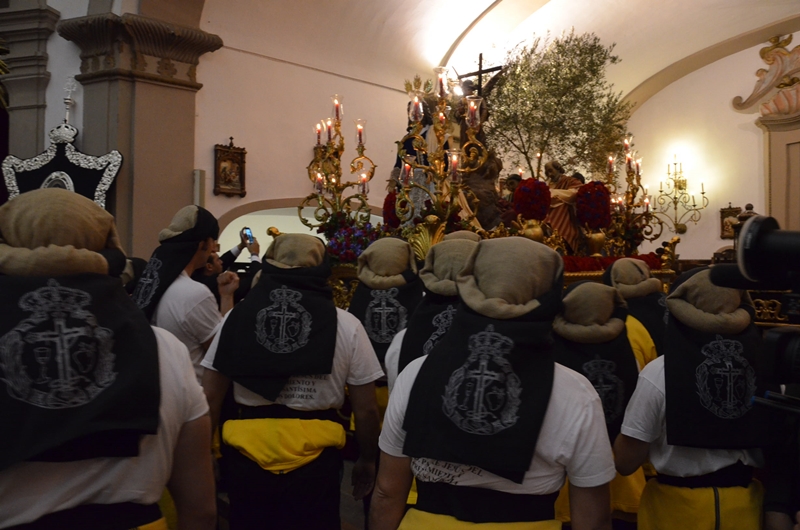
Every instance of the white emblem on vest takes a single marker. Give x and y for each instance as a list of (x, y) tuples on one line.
[(148, 283), (482, 396), (610, 388), (289, 323), (442, 322), (58, 357), (725, 381), (662, 301), (385, 316)]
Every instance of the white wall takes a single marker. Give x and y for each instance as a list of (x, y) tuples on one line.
[(64, 61), (270, 107), (694, 119)]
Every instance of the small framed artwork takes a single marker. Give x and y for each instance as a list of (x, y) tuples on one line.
[(727, 218), (229, 170)]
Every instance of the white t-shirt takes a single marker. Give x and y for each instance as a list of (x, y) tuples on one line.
[(392, 359), (29, 490), (646, 420), (189, 311), (354, 363), (573, 440)]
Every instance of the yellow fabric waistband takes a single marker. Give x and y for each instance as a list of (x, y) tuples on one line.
[(282, 445), (415, 519), (161, 524)]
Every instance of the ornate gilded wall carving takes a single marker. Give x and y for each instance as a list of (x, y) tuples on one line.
[(783, 76)]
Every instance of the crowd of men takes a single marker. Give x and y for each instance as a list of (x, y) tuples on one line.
[(483, 393)]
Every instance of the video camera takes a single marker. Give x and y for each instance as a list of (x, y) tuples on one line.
[(769, 259)]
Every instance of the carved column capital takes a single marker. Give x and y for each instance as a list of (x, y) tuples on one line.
[(138, 47)]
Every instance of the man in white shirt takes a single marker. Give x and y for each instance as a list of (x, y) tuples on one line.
[(290, 353), (94, 367), (494, 440), (704, 458), (168, 295)]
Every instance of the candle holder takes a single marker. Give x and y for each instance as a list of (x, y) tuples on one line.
[(325, 173), (633, 218), (676, 204), (443, 170)]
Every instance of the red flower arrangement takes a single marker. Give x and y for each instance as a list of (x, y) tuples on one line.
[(532, 199), (390, 218), (593, 205)]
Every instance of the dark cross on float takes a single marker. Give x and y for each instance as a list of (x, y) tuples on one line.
[(730, 374), (483, 378), (479, 72), (284, 316)]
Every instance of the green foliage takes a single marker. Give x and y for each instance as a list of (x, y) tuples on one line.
[(553, 98)]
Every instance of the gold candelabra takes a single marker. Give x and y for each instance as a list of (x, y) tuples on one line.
[(443, 169), (325, 173), (676, 203), (632, 219)]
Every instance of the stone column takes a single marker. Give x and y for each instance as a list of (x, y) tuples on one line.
[(139, 78), (26, 26)]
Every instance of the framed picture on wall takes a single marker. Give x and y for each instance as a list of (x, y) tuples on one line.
[(229, 170), (727, 218)]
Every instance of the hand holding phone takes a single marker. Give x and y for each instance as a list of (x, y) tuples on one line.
[(248, 234)]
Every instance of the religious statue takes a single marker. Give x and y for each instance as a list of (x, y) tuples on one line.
[(561, 216)]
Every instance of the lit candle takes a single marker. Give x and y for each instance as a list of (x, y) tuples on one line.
[(538, 155), (337, 109), (329, 125), (319, 183), (647, 204), (360, 134), (473, 114), (638, 166), (454, 175), (610, 164), (416, 110), (628, 161), (442, 118), (521, 172), (364, 183), (319, 134), (406, 174), (627, 145)]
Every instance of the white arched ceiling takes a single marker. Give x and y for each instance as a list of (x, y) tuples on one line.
[(658, 42), (385, 43)]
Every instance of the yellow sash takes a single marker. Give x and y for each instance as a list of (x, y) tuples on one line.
[(282, 445), (666, 507), (161, 524), (625, 495), (417, 519)]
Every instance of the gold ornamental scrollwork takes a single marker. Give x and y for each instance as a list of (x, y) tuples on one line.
[(769, 310)]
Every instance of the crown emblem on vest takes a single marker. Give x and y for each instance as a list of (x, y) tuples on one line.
[(285, 325), (442, 321), (611, 389), (726, 383), (58, 357), (385, 315), (482, 396)]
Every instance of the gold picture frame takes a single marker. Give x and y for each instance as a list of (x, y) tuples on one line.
[(229, 170), (727, 218)]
